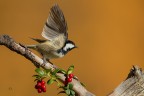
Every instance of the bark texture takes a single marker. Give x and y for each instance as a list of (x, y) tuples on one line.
[(133, 85)]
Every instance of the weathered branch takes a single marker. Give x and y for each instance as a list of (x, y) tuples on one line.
[(133, 85), (12, 45)]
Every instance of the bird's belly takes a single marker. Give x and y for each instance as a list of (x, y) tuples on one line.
[(49, 50), (53, 55)]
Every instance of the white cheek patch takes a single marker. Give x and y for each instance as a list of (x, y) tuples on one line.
[(68, 46)]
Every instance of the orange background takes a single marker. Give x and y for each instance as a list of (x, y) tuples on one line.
[(109, 34)]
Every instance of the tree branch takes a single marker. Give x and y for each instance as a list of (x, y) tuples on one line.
[(20, 49), (133, 85)]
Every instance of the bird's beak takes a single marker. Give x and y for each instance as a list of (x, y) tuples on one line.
[(76, 47)]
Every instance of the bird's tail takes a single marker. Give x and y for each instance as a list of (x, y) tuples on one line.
[(31, 46)]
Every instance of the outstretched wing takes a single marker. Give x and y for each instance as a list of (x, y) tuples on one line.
[(56, 25)]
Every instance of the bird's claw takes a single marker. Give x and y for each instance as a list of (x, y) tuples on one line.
[(44, 63), (23, 46), (54, 66)]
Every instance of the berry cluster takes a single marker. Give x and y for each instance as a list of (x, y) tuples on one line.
[(40, 86), (68, 79)]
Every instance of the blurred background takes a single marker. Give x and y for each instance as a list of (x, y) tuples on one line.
[(109, 34)]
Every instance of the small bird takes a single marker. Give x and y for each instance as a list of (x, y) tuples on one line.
[(55, 32)]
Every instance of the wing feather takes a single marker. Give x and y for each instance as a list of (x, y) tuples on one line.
[(56, 24)]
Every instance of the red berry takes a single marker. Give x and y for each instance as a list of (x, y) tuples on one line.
[(71, 75), (43, 82), (43, 87), (44, 90), (39, 90), (38, 81), (69, 79), (36, 86), (39, 84)]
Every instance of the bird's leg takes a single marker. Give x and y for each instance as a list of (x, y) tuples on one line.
[(23, 46), (44, 60), (52, 64)]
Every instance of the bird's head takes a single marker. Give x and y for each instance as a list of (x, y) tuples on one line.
[(69, 45)]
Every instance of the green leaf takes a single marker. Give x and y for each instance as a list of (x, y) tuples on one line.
[(62, 71), (70, 86), (35, 75), (36, 79), (53, 77), (72, 92), (43, 78), (70, 69), (57, 77), (61, 92), (58, 82), (55, 71), (67, 86), (50, 81), (67, 92), (39, 71), (48, 70)]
